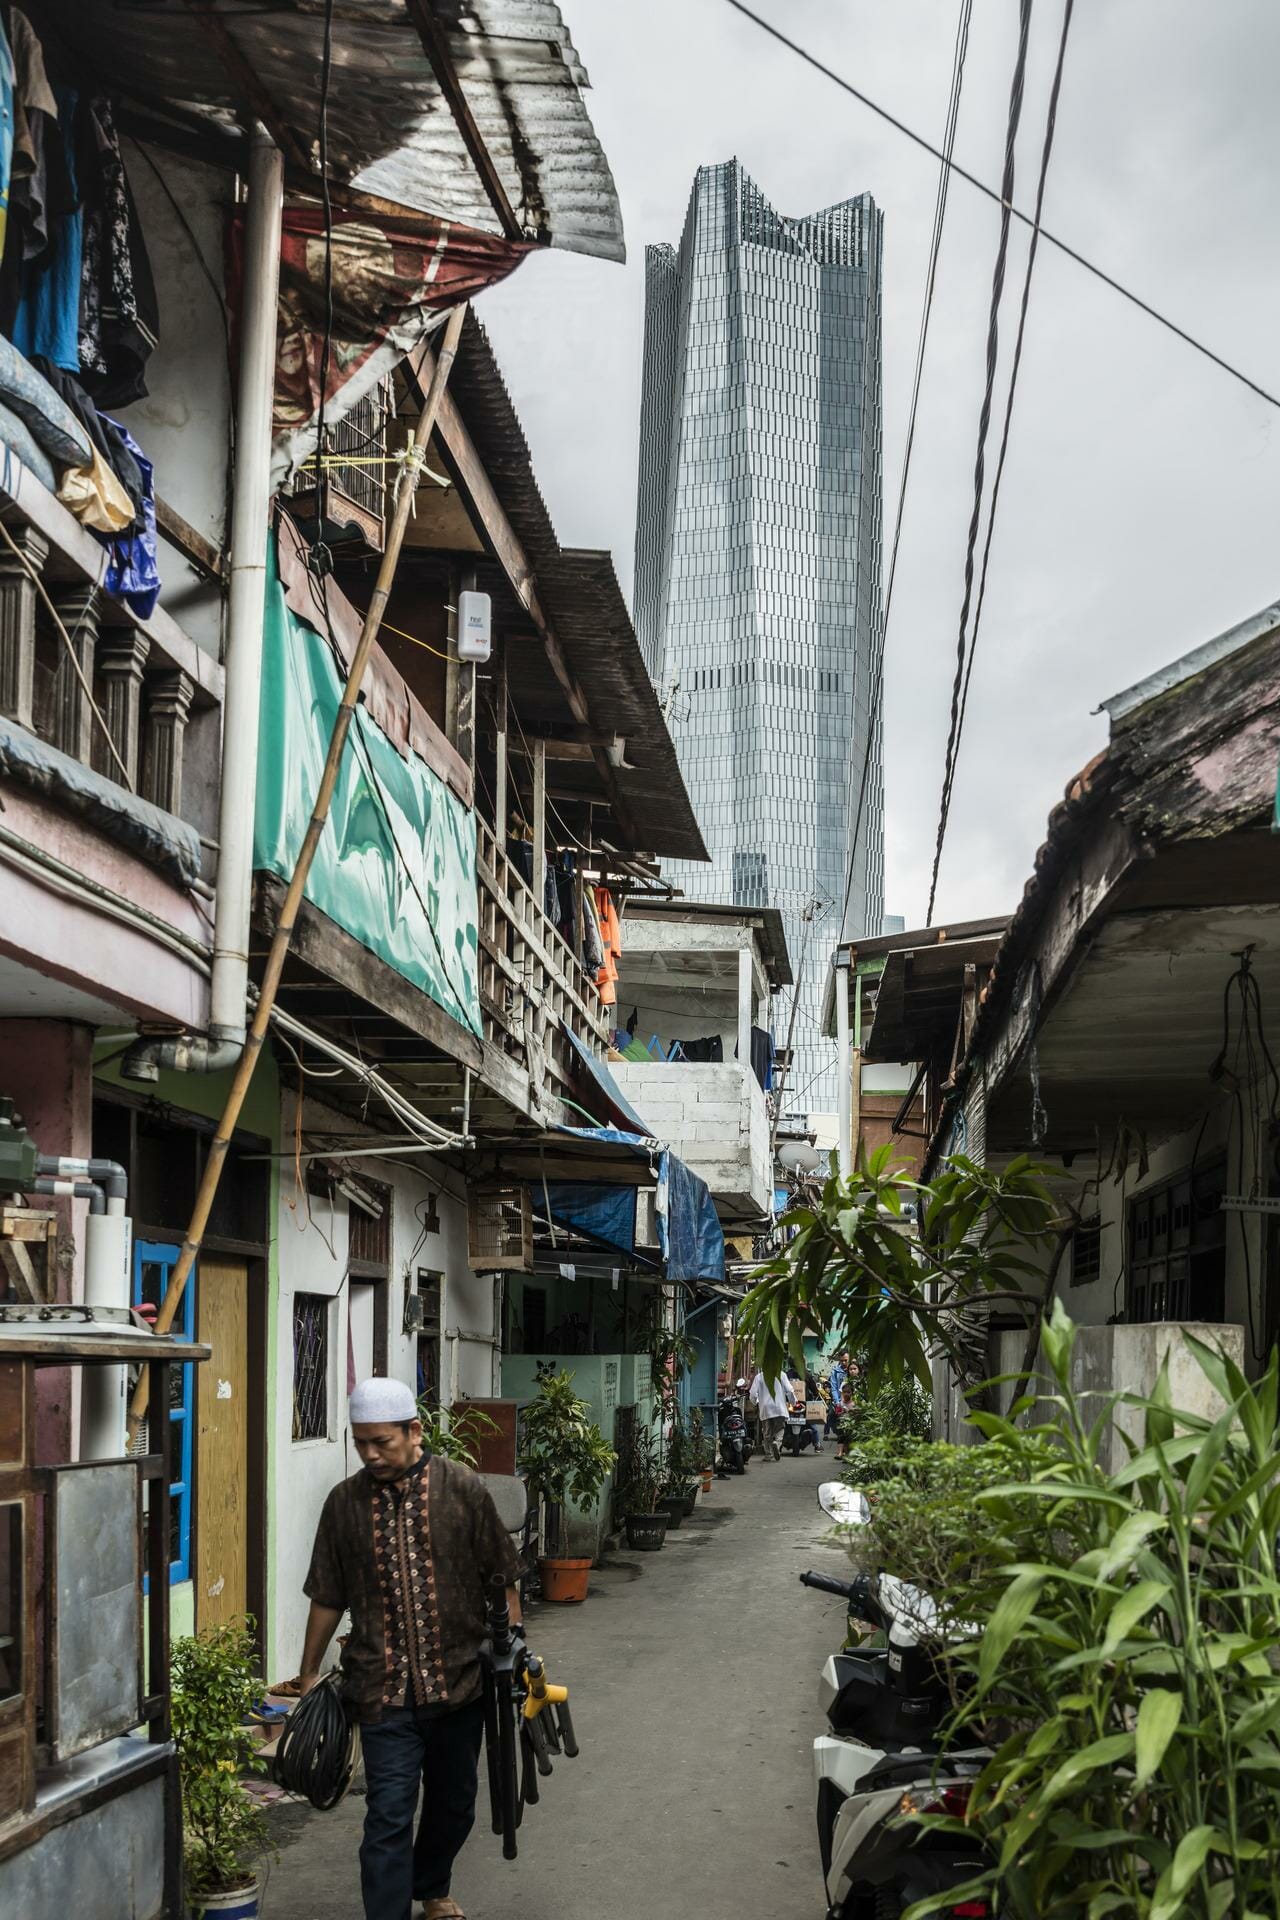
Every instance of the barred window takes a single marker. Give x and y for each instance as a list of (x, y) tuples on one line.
[(1086, 1252), (310, 1366)]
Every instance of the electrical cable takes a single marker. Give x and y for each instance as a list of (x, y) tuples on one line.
[(1016, 91), (318, 1747), (433, 1137), (954, 744), (931, 275), (972, 180)]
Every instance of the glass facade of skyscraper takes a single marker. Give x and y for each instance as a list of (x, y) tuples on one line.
[(758, 558)]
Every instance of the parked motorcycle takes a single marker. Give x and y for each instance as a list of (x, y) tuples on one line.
[(798, 1435), (735, 1442), (886, 1701)]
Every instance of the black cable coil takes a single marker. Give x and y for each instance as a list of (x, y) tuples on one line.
[(317, 1751)]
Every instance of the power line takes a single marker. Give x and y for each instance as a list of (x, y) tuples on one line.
[(972, 180), (1016, 91), (931, 275), (954, 746)]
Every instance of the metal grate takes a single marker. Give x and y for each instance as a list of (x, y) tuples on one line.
[(355, 470), (369, 1231), (1086, 1252), (310, 1366)]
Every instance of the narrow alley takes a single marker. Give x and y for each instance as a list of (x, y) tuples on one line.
[(694, 1681)]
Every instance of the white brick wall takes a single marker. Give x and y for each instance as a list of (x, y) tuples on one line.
[(713, 1115)]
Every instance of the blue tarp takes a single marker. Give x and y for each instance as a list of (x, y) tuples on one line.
[(688, 1225), (602, 1083), (607, 1214)]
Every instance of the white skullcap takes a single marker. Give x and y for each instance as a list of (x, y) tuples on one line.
[(378, 1400)]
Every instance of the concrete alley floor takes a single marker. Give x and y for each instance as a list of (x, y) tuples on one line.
[(694, 1677)]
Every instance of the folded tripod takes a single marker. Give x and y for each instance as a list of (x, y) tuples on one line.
[(526, 1720)]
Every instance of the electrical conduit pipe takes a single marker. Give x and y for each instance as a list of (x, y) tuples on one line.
[(247, 570)]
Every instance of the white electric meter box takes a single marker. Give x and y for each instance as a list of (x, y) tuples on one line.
[(473, 626)]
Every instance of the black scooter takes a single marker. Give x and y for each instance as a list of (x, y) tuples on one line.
[(735, 1443)]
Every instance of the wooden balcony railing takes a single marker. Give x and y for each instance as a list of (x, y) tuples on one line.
[(530, 980), (146, 675)]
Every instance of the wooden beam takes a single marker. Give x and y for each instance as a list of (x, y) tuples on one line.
[(436, 47), (504, 544), (203, 555), (499, 695), (539, 819)]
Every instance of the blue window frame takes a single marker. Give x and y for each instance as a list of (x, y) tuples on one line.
[(153, 1262)]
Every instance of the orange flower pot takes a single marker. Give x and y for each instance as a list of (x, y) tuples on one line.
[(706, 1479), (564, 1581)]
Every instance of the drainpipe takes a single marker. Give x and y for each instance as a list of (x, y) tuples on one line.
[(844, 1064), (247, 570)]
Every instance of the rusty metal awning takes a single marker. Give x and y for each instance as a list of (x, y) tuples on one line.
[(467, 110)]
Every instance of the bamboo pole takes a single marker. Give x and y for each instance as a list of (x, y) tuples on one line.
[(293, 897)]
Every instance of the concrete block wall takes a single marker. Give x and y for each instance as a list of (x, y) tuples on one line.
[(713, 1115)]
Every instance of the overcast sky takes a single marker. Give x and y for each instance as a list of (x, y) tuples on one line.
[(1141, 506)]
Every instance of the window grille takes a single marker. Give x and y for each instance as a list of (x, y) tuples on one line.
[(369, 1233), (1086, 1252), (359, 485), (310, 1366), (1176, 1261)]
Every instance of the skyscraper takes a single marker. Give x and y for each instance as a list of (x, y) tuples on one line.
[(757, 591)]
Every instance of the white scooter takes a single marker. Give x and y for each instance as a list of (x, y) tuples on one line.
[(885, 1704)]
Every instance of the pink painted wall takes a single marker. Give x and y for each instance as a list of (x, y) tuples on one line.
[(46, 1067)]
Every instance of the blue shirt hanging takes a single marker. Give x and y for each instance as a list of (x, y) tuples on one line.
[(133, 571)]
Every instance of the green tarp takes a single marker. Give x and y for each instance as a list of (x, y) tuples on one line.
[(396, 864)]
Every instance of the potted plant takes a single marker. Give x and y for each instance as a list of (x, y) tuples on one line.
[(224, 1832), (683, 1469), (454, 1435), (638, 1495), (702, 1455), (564, 1457)]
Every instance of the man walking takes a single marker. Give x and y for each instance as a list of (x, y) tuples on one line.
[(409, 1546), (772, 1402)]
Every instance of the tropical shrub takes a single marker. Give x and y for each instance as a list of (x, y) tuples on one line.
[(885, 1409), (895, 1267), (563, 1454), (456, 1434), (1128, 1671), (213, 1687)]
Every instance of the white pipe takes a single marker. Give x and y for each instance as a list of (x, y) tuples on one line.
[(844, 1071), (104, 1400), (247, 575)]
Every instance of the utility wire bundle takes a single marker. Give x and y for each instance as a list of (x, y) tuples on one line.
[(526, 1720), (317, 1751)]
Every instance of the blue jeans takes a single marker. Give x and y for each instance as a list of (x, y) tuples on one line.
[(404, 1750)]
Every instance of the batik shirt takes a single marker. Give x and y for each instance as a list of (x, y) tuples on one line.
[(413, 1561)]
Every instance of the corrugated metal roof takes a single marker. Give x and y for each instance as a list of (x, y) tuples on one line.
[(391, 130)]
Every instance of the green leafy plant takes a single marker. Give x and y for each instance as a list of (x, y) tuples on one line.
[(454, 1434), (895, 1266), (213, 1688), (640, 1476), (1127, 1672), (563, 1454), (699, 1445), (682, 1459), (887, 1409)]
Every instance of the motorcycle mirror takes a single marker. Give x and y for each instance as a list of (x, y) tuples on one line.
[(845, 1505), (742, 1386)]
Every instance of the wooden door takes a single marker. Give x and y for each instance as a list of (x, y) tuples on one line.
[(222, 1443)]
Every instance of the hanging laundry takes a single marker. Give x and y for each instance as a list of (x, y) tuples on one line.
[(592, 944), (712, 1048), (35, 148), (119, 319), (133, 570), (7, 105), (611, 941), (107, 438), (47, 317)]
